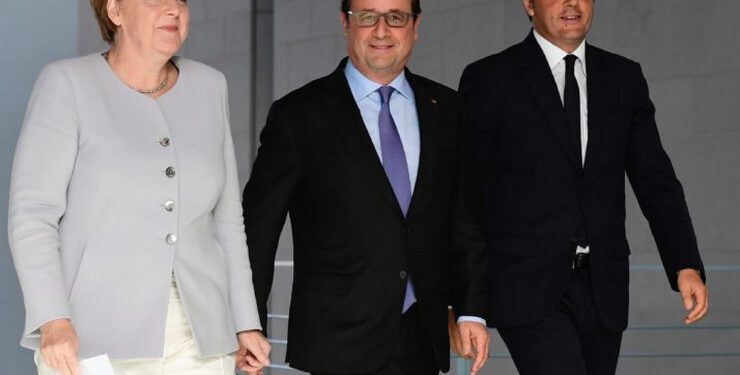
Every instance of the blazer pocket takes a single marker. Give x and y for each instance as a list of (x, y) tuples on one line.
[(513, 255)]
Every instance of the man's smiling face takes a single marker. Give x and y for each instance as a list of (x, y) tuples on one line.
[(380, 52), (564, 23)]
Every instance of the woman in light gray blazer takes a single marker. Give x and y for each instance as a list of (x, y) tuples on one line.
[(125, 219)]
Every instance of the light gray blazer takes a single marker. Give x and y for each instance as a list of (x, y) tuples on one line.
[(91, 231)]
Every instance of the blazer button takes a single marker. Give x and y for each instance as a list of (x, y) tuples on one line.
[(164, 142), (170, 172), (171, 239), (402, 274), (169, 206)]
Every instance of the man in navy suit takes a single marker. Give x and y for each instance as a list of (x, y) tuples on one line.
[(367, 163), (555, 125)]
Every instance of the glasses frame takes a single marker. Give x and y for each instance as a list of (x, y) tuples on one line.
[(384, 16)]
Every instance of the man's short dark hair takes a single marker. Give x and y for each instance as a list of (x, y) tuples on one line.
[(415, 6)]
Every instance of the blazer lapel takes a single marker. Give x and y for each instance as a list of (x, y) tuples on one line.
[(346, 118), (598, 104), (427, 112), (538, 76)]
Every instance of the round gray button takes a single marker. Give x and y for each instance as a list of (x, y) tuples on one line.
[(169, 206), (164, 142), (402, 274), (170, 172), (171, 239)]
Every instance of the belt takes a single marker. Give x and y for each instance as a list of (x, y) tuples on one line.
[(580, 261)]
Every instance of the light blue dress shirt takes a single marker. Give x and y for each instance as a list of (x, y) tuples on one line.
[(403, 110)]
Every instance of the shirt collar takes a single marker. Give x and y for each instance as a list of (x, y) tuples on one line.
[(363, 87), (555, 55)]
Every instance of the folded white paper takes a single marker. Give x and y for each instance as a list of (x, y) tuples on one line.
[(99, 365)]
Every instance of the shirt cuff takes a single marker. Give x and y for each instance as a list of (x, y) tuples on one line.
[(471, 319)]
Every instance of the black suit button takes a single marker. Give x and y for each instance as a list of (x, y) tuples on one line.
[(402, 274), (170, 172)]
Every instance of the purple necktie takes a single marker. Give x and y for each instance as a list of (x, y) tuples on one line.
[(394, 163)]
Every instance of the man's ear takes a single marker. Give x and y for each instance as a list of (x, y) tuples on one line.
[(528, 7), (344, 20), (417, 23)]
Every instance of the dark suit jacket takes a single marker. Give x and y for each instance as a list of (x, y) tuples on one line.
[(352, 245), (534, 194)]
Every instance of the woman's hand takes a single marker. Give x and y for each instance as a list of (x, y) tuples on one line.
[(254, 352), (59, 346)]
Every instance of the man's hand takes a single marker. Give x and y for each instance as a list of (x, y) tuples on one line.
[(694, 293), (469, 340), (475, 340), (59, 346), (254, 352), (454, 332)]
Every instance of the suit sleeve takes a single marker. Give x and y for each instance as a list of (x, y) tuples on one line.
[(469, 263), (229, 228), (267, 197), (479, 117), (479, 132), (657, 189), (44, 161)]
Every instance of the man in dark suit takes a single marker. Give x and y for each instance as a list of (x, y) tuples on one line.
[(366, 162), (556, 124)]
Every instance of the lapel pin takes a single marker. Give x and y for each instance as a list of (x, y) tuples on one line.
[(434, 101)]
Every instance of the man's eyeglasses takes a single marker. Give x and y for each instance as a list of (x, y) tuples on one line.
[(365, 18)]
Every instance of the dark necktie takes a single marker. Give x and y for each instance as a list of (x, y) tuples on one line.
[(572, 104), (394, 163)]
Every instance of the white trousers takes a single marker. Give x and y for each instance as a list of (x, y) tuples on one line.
[(180, 351)]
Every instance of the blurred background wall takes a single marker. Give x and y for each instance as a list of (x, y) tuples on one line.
[(32, 33), (689, 54)]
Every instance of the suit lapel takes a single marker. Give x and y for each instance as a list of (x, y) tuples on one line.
[(538, 76), (598, 104), (347, 120), (427, 112)]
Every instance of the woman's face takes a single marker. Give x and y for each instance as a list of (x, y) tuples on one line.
[(159, 26)]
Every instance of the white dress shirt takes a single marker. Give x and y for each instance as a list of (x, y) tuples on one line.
[(555, 59)]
